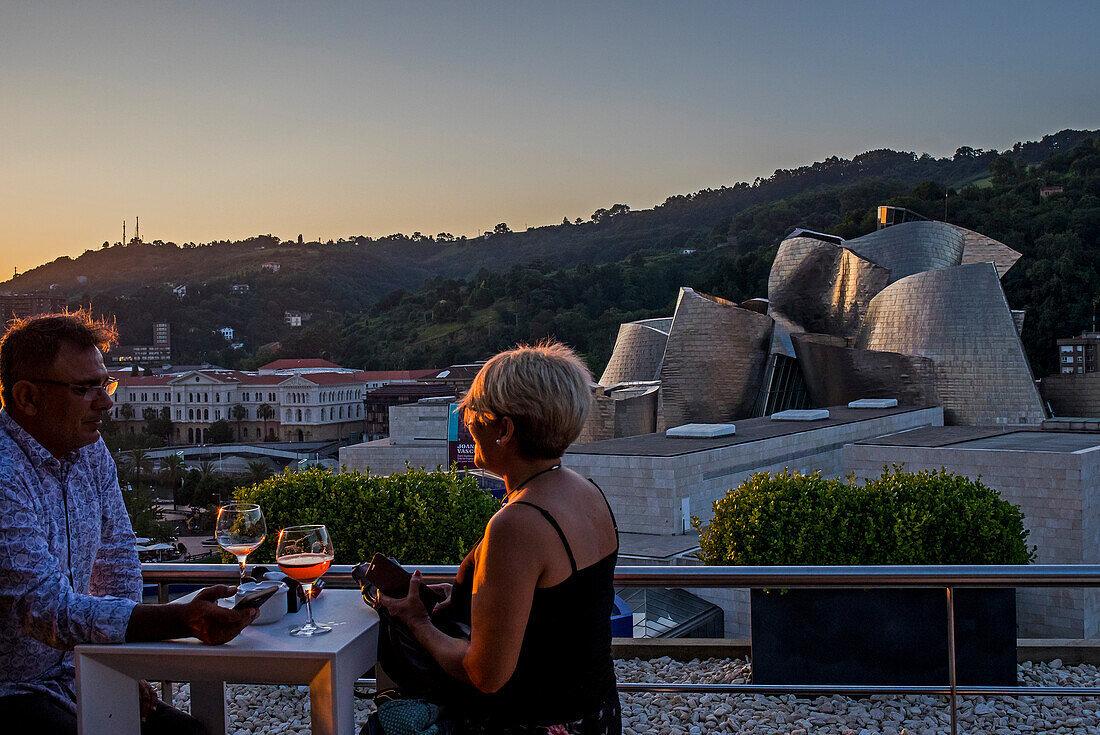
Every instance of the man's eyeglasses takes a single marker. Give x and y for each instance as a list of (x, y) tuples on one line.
[(87, 392)]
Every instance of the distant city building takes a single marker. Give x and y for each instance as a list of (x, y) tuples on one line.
[(240, 288), (378, 402), (157, 354), (309, 400), (293, 318), (162, 334), (270, 267), (14, 305), (459, 377), (227, 333), (1075, 391), (1079, 354), (180, 291), (1046, 191)]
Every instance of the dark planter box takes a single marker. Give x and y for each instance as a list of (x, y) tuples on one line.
[(882, 636)]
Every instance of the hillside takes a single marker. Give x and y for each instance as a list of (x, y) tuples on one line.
[(1057, 281), (363, 270), (424, 301)]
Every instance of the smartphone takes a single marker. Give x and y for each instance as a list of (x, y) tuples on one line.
[(255, 598), (392, 579)]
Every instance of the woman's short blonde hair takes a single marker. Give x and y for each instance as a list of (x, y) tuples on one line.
[(545, 389)]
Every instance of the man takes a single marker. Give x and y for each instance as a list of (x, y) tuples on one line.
[(69, 570)]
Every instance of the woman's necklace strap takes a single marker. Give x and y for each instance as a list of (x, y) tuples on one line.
[(523, 484)]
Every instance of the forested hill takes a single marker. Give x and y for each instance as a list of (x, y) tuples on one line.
[(354, 272), (1057, 279), (421, 301)]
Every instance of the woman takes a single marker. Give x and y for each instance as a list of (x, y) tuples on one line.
[(537, 588)]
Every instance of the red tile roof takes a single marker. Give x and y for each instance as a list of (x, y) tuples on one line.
[(332, 378), (126, 380)]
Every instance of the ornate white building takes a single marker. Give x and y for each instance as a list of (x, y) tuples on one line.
[(286, 400)]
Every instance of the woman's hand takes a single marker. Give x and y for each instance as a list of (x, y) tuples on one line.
[(409, 609), (443, 589)]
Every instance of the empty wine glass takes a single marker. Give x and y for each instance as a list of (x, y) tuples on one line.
[(240, 530), (304, 553)]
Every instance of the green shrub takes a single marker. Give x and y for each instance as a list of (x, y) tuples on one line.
[(896, 518), (417, 517)]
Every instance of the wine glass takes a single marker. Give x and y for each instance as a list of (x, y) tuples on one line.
[(304, 553), (240, 530)]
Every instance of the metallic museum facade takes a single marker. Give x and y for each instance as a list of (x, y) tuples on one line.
[(914, 311)]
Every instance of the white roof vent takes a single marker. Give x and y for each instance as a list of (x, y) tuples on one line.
[(702, 431), (874, 403), (803, 414)]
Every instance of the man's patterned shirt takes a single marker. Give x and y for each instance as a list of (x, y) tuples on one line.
[(65, 577)]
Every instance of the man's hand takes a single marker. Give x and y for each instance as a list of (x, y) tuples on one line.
[(202, 618), (210, 622)]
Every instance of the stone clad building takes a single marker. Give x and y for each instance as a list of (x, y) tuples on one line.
[(913, 311)]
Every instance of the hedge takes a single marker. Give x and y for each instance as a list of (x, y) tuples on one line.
[(928, 517), (417, 517)]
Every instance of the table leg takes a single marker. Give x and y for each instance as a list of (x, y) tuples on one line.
[(332, 701), (208, 705), (107, 700)]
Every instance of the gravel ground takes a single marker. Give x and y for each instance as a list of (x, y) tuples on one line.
[(285, 709)]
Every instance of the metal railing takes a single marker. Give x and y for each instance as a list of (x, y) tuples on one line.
[(948, 578)]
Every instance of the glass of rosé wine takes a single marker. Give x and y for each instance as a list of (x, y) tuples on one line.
[(240, 530), (304, 553)]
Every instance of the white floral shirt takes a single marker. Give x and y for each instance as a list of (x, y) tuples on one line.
[(65, 577)]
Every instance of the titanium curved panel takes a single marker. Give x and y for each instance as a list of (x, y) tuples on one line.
[(816, 286), (977, 248), (911, 247), (714, 361), (959, 318), (638, 351), (835, 375)]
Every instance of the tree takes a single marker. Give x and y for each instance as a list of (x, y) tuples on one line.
[(137, 462), (501, 229), (1003, 169), (265, 412), (146, 517), (258, 472), (172, 471), (126, 411), (220, 432), (158, 423), (238, 413)]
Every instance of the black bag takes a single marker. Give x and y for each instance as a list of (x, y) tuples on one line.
[(412, 668)]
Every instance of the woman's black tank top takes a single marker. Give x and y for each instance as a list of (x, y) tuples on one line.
[(564, 669)]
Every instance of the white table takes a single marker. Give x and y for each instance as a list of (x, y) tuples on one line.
[(107, 675)]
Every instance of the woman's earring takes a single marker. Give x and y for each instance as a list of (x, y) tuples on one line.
[(498, 441)]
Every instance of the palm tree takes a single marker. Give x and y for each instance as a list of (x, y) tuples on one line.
[(138, 462), (258, 472), (238, 413), (265, 412), (126, 411), (172, 470), (207, 471)]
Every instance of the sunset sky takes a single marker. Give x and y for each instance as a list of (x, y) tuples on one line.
[(216, 120)]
